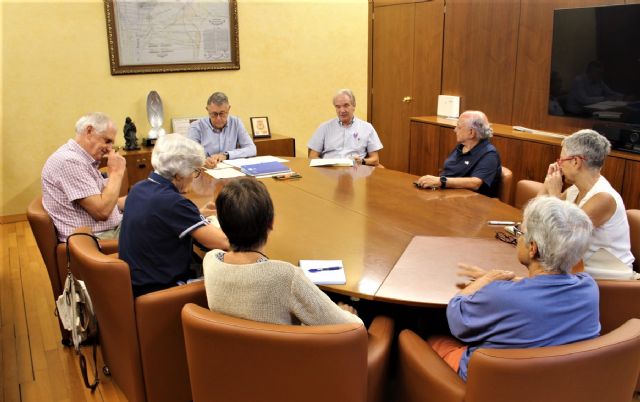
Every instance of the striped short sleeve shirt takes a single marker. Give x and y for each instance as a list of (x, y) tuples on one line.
[(71, 174)]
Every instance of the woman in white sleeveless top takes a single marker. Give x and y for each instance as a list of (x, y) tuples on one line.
[(580, 161)]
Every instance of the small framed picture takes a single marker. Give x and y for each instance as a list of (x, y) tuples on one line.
[(260, 127), (181, 125)]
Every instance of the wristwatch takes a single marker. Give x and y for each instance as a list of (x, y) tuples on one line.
[(443, 181)]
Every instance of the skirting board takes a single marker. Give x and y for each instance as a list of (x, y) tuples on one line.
[(13, 218)]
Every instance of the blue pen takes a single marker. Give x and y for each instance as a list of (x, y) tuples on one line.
[(324, 269)]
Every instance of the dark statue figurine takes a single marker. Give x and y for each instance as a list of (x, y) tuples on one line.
[(131, 142)]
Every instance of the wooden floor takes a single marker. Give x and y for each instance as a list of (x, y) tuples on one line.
[(34, 366)]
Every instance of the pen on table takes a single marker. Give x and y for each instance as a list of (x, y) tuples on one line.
[(323, 269)]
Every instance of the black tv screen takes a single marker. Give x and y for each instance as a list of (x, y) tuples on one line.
[(595, 63)]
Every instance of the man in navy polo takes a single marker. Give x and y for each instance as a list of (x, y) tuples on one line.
[(474, 164)]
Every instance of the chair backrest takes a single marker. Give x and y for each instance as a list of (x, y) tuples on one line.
[(505, 185), (601, 369), (618, 304), (526, 190), (47, 239), (161, 340), (232, 359), (109, 284), (633, 215)]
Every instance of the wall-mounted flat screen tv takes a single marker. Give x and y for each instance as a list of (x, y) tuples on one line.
[(595, 63)]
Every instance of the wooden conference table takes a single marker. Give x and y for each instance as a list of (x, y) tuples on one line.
[(367, 217)]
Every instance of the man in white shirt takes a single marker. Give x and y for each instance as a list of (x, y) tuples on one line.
[(346, 136), (222, 136)]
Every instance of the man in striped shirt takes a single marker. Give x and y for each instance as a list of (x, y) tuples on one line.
[(74, 193)]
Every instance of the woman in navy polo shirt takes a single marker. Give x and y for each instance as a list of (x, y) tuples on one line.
[(159, 223)]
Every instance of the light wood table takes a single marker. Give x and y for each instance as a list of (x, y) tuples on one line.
[(366, 217)]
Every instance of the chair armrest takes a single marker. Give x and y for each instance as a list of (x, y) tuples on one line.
[(424, 376), (380, 338), (109, 246)]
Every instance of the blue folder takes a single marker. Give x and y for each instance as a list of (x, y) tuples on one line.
[(266, 168)]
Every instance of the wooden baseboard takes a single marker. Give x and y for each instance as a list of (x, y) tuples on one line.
[(13, 218)]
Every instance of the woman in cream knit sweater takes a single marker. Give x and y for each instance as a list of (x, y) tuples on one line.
[(245, 283)]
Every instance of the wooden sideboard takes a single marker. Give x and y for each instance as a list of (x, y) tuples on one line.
[(528, 155), (139, 161), (276, 145)]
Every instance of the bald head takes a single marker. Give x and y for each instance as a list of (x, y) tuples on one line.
[(477, 121)]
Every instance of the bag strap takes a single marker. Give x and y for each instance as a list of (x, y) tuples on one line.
[(81, 358), (83, 365)]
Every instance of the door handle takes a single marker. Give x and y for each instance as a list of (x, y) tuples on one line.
[(407, 99)]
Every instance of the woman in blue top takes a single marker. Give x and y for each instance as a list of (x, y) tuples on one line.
[(549, 307), (160, 224)]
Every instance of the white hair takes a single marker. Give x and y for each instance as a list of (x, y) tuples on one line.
[(348, 92), (478, 121), (590, 144), (561, 230), (99, 121), (175, 154)]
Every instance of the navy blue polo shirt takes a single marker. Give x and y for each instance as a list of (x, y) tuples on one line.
[(482, 161), (155, 237)]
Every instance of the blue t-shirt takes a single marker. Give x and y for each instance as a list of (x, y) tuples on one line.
[(155, 237), (482, 161), (541, 311)]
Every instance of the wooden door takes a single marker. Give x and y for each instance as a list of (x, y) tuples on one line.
[(392, 58)]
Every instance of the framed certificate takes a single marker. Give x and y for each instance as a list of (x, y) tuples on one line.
[(260, 127)]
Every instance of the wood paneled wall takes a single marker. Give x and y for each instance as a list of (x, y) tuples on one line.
[(496, 55), (479, 55)]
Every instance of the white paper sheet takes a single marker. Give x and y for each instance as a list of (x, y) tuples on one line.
[(224, 173), (331, 162), (254, 160), (332, 277)]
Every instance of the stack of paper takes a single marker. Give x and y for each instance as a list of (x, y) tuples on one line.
[(252, 161), (324, 272), (331, 162)]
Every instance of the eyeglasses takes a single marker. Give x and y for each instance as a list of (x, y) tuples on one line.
[(568, 158), (215, 115), (507, 238), (197, 172)]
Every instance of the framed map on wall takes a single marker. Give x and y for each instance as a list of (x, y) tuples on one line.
[(147, 36)]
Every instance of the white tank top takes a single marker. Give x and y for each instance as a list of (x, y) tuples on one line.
[(613, 235)]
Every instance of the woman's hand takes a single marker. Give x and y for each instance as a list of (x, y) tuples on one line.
[(487, 278), (553, 181), (209, 209), (471, 271), (348, 308)]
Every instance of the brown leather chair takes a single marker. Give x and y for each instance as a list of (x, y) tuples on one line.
[(618, 303), (232, 359), (54, 253), (526, 190), (505, 185), (141, 340), (601, 369), (633, 216)]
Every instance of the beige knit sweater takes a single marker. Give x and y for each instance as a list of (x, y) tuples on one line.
[(269, 291)]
